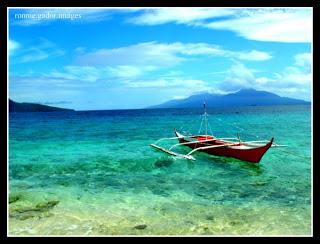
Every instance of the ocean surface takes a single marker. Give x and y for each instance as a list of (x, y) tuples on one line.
[(94, 173)]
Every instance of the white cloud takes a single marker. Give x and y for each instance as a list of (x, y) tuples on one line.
[(35, 54), (295, 76), (170, 88), (139, 59), (275, 25), (39, 51), (95, 73), (238, 76), (178, 15), (162, 54), (179, 97), (263, 80), (303, 60), (29, 88), (13, 45), (80, 50), (253, 55), (130, 71), (214, 50), (83, 73), (260, 24), (136, 61), (298, 75), (293, 81), (147, 53), (168, 83)]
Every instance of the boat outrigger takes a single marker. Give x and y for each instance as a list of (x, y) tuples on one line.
[(250, 151)]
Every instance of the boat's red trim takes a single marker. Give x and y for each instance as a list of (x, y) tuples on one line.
[(204, 138)]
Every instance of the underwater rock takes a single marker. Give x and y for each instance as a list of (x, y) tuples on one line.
[(13, 198), (46, 205), (66, 184), (161, 192), (259, 183), (205, 229), (200, 194), (22, 185), (140, 227), (28, 214), (40, 207), (162, 163), (209, 217), (39, 211), (235, 222), (189, 222)]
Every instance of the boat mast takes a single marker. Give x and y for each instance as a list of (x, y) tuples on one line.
[(205, 118)]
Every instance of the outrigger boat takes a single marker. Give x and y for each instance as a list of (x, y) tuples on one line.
[(250, 151)]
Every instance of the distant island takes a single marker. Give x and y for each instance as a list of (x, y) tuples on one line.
[(33, 107), (244, 97)]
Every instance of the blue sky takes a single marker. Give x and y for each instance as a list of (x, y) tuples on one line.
[(136, 57)]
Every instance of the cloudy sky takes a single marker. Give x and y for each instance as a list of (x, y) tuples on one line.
[(137, 57)]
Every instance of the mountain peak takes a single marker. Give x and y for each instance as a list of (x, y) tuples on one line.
[(244, 97)]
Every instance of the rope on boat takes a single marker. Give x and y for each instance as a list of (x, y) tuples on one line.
[(235, 126), (206, 118), (192, 123), (286, 151), (201, 125), (209, 126), (295, 154)]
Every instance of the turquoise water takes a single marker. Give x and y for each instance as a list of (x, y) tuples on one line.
[(94, 173)]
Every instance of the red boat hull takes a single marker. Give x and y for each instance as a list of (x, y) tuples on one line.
[(252, 155)]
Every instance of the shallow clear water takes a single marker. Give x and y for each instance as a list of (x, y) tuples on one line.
[(94, 173)]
